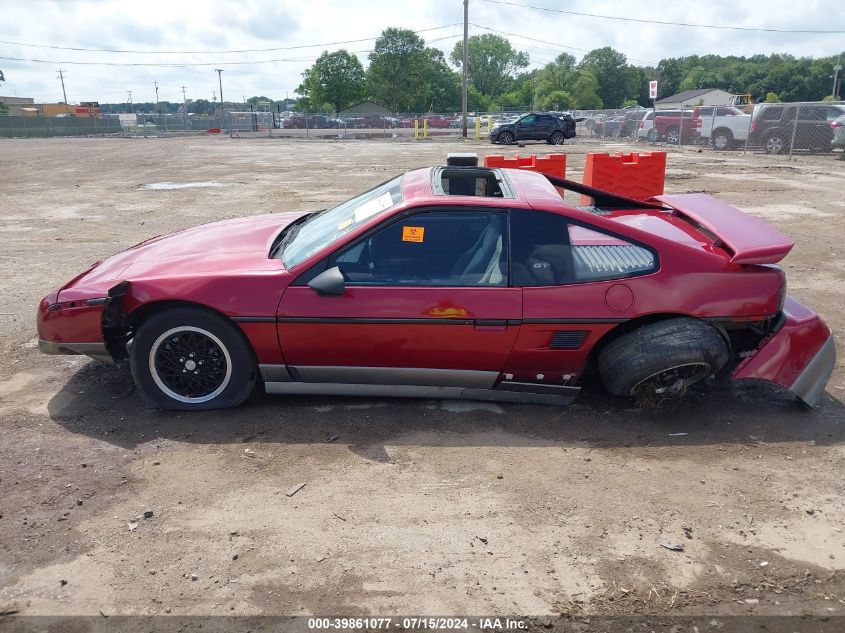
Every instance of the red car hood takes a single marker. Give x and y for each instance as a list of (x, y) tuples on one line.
[(226, 247)]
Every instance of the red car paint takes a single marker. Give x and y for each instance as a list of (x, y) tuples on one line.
[(714, 273)]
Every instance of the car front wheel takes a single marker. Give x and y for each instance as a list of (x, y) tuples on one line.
[(189, 359), (661, 360), (505, 138), (557, 138)]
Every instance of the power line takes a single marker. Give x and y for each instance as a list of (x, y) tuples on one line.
[(534, 39), (189, 64), (243, 50), (665, 23)]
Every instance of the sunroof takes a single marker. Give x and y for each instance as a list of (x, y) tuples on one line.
[(469, 181)]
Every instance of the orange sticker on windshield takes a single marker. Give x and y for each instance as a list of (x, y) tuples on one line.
[(413, 233)]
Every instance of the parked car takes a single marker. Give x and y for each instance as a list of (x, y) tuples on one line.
[(534, 126), (773, 126), (373, 121), (674, 128), (645, 130), (723, 127), (450, 281), (838, 127)]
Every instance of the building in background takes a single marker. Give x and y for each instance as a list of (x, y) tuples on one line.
[(365, 107), (17, 104), (692, 98)]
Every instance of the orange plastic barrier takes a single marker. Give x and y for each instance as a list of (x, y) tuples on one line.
[(634, 175), (213, 130), (551, 164)]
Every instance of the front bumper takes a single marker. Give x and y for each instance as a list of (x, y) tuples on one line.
[(799, 356), (97, 351)]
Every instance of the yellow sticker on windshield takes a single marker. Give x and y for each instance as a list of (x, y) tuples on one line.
[(413, 233)]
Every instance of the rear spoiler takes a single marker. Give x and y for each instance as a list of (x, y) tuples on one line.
[(748, 239)]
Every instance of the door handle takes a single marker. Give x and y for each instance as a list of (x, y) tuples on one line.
[(491, 325)]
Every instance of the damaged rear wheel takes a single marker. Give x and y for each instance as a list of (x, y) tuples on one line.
[(662, 360)]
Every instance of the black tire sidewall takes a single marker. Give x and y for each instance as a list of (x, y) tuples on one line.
[(244, 368), (626, 361)]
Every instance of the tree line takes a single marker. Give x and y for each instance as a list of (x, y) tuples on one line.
[(405, 75)]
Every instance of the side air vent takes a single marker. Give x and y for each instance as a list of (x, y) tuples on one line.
[(568, 339)]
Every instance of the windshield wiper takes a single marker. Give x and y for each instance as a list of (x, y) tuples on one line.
[(290, 232)]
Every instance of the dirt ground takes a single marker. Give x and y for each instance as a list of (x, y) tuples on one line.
[(415, 507)]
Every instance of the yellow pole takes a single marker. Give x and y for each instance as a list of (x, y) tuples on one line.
[(416, 129), (425, 128), (477, 128)]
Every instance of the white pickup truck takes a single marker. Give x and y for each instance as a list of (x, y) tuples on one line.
[(723, 127)]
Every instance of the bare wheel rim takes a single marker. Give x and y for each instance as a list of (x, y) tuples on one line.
[(672, 379), (190, 364), (774, 144)]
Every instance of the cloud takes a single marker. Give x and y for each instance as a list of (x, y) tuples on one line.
[(216, 25)]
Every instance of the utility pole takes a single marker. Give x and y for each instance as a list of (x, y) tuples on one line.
[(131, 109), (836, 69), (464, 79), (155, 83), (184, 105), (62, 78), (219, 72)]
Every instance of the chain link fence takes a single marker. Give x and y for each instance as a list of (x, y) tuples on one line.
[(772, 128)]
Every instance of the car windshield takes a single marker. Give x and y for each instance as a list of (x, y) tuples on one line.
[(327, 227)]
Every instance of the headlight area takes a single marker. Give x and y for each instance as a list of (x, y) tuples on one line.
[(72, 327)]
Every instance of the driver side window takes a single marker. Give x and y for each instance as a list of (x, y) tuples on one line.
[(439, 248)]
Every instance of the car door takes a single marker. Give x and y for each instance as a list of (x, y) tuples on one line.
[(577, 285), (525, 128), (542, 126), (426, 302)]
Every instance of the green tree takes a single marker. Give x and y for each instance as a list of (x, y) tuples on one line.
[(491, 62), (772, 97), (556, 77), (443, 93), (397, 76), (556, 100), (611, 70), (335, 78), (585, 92), (4, 109)]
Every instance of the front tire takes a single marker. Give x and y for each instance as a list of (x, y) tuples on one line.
[(557, 138), (189, 359), (505, 138), (662, 359)]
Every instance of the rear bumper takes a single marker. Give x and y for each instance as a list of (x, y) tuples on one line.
[(799, 356)]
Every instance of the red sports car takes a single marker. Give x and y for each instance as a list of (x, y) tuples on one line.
[(453, 281)]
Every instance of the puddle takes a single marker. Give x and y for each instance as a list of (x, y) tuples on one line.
[(163, 186)]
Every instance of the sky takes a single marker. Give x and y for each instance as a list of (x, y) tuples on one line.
[(200, 32)]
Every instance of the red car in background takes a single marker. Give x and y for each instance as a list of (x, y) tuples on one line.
[(453, 281)]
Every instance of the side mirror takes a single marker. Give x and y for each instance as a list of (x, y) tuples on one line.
[(329, 282)]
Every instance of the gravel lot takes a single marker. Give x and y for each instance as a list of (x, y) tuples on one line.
[(426, 507)]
